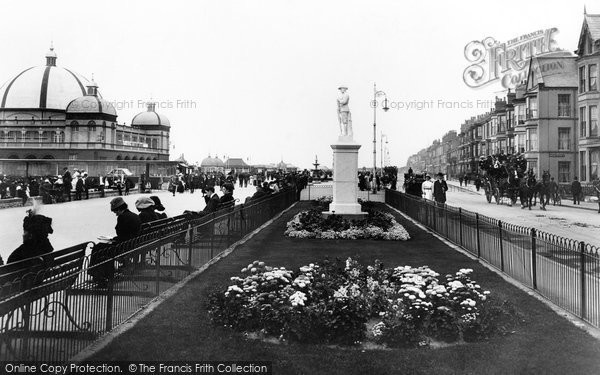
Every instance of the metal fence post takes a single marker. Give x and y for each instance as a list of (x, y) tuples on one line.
[(190, 247), (460, 229), (109, 297), (501, 245), (533, 258), (477, 232), (583, 286), (446, 219), (157, 287)]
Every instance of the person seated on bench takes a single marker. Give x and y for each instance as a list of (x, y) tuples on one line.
[(227, 197), (35, 237), (128, 226), (146, 207), (260, 193), (212, 202), (158, 208)]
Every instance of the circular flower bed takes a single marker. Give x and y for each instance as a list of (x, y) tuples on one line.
[(377, 225), (346, 303)]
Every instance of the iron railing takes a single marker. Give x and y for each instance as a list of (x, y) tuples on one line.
[(565, 271), (67, 301)]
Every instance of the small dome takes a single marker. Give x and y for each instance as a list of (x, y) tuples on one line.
[(91, 104), (150, 117), (212, 162)]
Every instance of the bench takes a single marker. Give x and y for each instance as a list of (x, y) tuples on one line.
[(34, 278)]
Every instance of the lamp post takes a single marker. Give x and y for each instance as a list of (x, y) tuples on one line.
[(385, 108)]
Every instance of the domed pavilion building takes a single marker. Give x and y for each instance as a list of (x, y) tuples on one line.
[(51, 112)]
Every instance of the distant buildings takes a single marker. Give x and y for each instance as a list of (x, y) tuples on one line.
[(551, 118)]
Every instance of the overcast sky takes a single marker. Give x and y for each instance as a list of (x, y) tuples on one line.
[(258, 79)]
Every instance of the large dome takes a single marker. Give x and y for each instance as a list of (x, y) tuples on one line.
[(150, 118), (44, 87)]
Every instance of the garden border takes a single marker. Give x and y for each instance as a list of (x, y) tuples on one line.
[(145, 310), (573, 319)]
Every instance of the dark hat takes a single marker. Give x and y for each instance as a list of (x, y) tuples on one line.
[(116, 203), (229, 186), (37, 224), (157, 204), (440, 174)]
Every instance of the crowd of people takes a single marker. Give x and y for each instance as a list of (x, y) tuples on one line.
[(36, 227)]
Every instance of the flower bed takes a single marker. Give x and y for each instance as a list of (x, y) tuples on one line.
[(377, 225), (335, 302)]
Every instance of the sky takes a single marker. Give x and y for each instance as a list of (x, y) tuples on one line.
[(258, 79)]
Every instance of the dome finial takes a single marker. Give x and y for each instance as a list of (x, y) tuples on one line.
[(51, 55), (92, 87)]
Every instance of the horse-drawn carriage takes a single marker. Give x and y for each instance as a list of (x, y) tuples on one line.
[(412, 184), (502, 177), (505, 180)]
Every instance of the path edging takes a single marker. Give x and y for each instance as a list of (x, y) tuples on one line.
[(145, 310)]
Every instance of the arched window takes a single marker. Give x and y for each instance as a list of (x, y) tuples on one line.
[(59, 136), (155, 143), (13, 135), (30, 157), (13, 157), (32, 135), (48, 157), (92, 125), (134, 158), (75, 126), (126, 157), (119, 157), (154, 158)]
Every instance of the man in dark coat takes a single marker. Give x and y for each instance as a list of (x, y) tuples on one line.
[(87, 183), (79, 187), (576, 190), (439, 189), (67, 183)]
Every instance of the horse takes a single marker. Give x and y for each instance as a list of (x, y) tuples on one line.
[(543, 189), (528, 191)]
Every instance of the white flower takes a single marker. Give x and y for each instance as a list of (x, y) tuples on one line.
[(456, 284), (298, 298), (235, 288), (342, 292)]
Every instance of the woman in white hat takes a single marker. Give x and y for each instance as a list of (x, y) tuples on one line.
[(146, 207)]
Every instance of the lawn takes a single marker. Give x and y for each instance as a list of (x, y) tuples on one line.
[(180, 328)]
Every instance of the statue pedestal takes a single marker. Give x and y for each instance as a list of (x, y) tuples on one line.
[(345, 179)]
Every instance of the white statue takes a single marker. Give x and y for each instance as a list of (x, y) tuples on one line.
[(344, 112)]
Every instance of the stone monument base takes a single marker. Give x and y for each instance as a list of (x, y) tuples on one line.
[(345, 179)]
